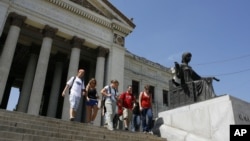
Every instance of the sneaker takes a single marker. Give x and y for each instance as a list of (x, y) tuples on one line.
[(110, 128), (126, 128), (150, 132), (72, 119)]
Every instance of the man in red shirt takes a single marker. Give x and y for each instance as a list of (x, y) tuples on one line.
[(127, 101)]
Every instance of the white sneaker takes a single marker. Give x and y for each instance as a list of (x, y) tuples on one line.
[(150, 132), (110, 128)]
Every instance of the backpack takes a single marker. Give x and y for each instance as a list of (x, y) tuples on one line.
[(104, 97), (72, 84)]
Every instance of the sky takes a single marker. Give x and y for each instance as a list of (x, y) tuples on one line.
[(216, 32)]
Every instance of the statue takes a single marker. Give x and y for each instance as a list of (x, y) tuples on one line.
[(187, 86), (184, 71)]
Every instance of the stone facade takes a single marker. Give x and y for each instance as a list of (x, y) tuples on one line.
[(143, 72), (44, 42)]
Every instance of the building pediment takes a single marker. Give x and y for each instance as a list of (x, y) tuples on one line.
[(99, 11)]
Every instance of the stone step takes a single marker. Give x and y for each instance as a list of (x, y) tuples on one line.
[(66, 129), (45, 121), (21, 124), (14, 136), (113, 135)]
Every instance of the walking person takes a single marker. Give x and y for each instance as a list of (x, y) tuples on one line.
[(110, 94), (136, 117), (117, 120), (127, 101), (92, 101), (76, 89), (145, 103)]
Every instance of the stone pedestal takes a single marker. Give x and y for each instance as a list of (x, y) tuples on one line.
[(208, 120)]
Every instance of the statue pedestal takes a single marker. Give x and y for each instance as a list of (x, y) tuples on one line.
[(208, 120)]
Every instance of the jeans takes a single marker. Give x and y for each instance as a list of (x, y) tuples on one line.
[(147, 119), (136, 122)]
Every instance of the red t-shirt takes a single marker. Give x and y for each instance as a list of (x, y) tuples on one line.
[(127, 99), (145, 101)]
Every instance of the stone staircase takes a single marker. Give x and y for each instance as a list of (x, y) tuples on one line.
[(17, 126)]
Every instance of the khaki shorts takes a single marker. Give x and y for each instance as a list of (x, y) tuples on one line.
[(127, 113)]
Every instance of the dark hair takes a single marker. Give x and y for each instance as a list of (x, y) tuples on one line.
[(146, 87), (115, 81)]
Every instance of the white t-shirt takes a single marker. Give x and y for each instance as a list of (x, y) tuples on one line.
[(113, 93), (77, 86)]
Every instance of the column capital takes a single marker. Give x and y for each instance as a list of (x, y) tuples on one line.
[(16, 19), (77, 42), (49, 31), (102, 52)]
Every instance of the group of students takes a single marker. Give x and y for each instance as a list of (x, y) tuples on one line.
[(122, 106)]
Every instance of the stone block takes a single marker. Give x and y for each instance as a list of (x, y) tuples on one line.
[(208, 120)]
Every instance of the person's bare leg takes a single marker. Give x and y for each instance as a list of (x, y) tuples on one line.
[(89, 113), (125, 121), (72, 114), (95, 110)]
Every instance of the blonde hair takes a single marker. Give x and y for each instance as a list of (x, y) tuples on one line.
[(90, 81)]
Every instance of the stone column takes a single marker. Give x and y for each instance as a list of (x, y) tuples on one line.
[(41, 70), (4, 9), (9, 50), (24, 97), (99, 75), (72, 71), (55, 90), (7, 91)]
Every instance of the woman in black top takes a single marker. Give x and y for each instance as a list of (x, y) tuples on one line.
[(92, 101)]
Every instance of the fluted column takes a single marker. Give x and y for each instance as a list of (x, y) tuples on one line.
[(55, 90), (41, 70), (23, 101), (72, 71), (9, 50), (99, 75)]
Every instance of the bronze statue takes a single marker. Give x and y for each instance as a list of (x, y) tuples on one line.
[(184, 71), (191, 87)]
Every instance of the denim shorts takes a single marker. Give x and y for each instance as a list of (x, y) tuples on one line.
[(92, 102)]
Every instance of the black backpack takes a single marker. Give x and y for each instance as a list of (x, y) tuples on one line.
[(72, 84)]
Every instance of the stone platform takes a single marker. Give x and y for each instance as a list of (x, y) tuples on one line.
[(208, 120)]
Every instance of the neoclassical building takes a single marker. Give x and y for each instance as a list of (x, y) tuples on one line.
[(44, 42)]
